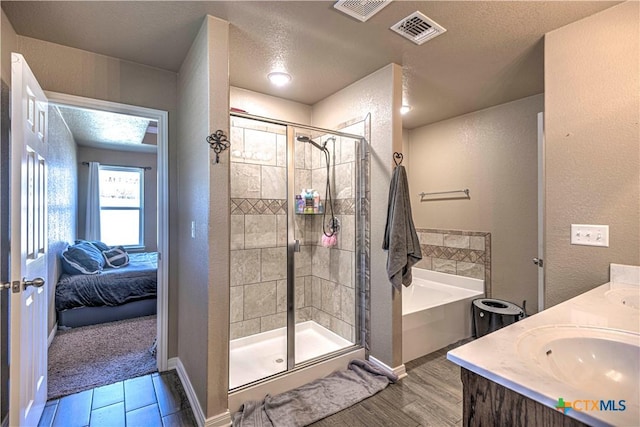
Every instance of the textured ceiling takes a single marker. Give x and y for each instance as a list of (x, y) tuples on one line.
[(93, 128), (491, 53)]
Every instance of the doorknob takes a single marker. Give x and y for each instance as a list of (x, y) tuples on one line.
[(15, 285), (37, 282), (539, 262)]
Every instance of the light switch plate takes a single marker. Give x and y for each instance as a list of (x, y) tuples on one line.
[(590, 235)]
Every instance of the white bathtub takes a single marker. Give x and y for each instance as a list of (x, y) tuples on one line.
[(436, 311)]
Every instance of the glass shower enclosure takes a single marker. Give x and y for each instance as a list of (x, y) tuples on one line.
[(295, 297)]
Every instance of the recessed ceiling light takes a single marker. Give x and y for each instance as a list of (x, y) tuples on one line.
[(279, 78), (405, 109)]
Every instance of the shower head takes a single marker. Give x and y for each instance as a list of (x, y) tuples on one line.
[(303, 138)]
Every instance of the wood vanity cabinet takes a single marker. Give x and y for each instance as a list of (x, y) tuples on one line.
[(486, 403)]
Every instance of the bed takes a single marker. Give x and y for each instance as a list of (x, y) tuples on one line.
[(113, 294)]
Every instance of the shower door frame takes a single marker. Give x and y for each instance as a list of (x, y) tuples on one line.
[(359, 338)]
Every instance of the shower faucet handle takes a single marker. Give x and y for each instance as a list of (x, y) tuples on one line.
[(296, 245)]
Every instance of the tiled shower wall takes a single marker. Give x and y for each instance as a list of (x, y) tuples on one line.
[(463, 253), (325, 288)]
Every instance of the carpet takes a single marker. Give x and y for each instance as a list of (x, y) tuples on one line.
[(92, 356), (317, 399)]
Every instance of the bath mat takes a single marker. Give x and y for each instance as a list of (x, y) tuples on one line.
[(317, 399)]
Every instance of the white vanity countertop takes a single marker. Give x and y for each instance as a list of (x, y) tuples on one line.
[(496, 357)]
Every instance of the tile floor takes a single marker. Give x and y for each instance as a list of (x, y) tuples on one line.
[(151, 400), (431, 395)]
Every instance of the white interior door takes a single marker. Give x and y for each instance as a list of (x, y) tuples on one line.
[(28, 304)]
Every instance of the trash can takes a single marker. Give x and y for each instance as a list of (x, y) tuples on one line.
[(492, 314)]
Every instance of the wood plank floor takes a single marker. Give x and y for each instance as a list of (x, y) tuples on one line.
[(431, 395)]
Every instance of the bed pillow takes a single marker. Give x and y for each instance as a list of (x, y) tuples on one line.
[(116, 257), (82, 258), (98, 244)]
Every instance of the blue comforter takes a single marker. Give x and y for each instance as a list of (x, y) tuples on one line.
[(114, 286)]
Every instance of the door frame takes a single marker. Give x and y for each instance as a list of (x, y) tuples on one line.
[(541, 210), (162, 117)]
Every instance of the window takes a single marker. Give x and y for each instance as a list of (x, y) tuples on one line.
[(121, 205)]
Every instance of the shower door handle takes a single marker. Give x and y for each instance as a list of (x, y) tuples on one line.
[(296, 245)]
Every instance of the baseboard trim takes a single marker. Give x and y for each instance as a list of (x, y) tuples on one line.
[(188, 388), (220, 420), (400, 371), (172, 363), (52, 334)]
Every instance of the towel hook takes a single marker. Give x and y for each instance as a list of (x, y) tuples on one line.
[(218, 143), (397, 156)]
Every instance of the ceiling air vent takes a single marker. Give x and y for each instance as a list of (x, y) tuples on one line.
[(418, 28), (362, 10)]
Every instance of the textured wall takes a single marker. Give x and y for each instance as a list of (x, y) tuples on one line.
[(380, 95), (592, 104), (9, 42), (76, 72), (219, 223), (203, 98), (62, 194), (492, 152), (122, 158), (268, 106)]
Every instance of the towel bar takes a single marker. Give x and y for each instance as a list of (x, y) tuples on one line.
[(465, 191)]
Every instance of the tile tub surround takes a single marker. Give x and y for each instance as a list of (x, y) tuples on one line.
[(463, 253), (523, 376)]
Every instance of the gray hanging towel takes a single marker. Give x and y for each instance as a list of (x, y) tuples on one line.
[(400, 237)]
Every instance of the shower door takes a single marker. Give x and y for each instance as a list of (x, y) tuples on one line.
[(293, 276), (324, 242)]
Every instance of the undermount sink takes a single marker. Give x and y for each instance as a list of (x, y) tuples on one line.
[(629, 297), (604, 361)]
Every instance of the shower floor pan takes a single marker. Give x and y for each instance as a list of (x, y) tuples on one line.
[(261, 355)]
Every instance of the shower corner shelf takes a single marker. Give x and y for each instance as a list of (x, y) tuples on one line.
[(309, 213)]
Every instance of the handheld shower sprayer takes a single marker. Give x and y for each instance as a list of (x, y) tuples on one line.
[(333, 228), (303, 138)]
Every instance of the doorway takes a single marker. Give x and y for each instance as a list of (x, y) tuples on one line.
[(148, 234)]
